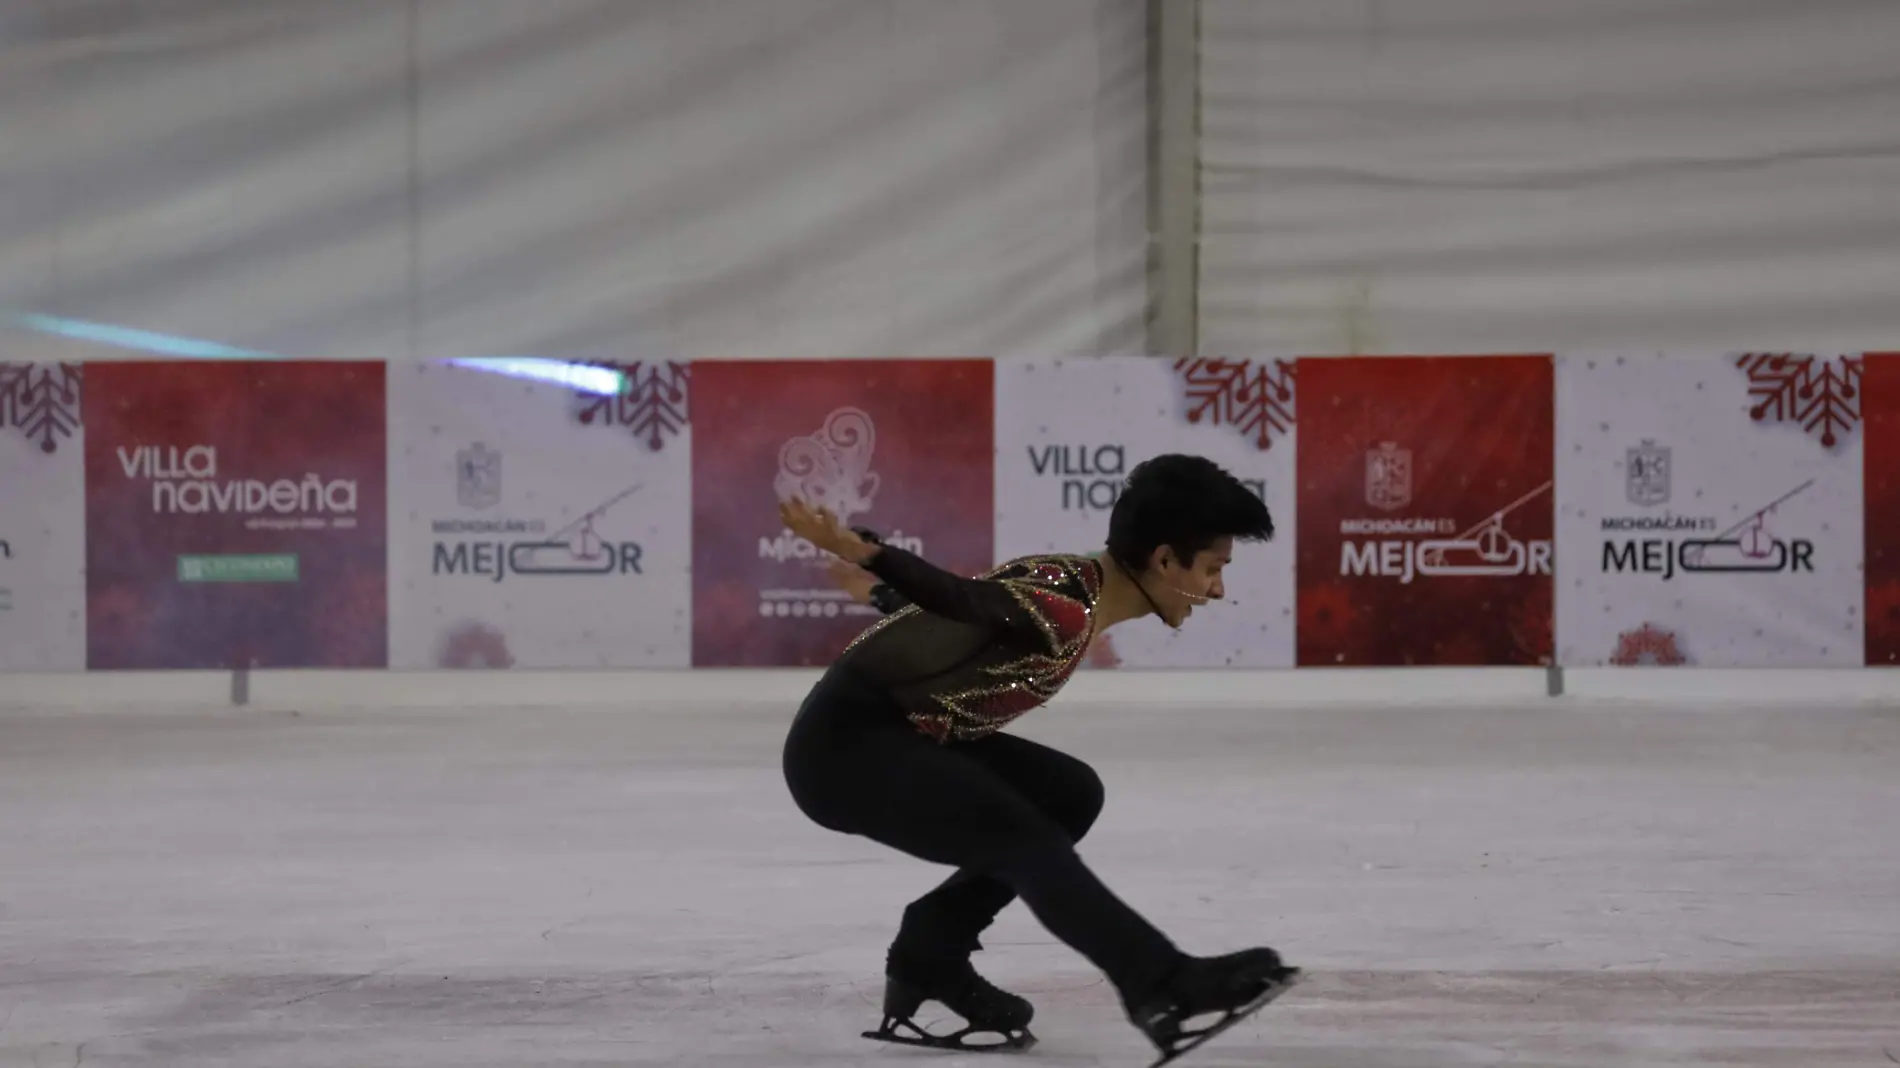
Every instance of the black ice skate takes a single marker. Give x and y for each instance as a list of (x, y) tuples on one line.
[(1001, 1017), (1236, 986)]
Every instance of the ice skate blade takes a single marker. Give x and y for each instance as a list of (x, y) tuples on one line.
[(1192, 1040), (1012, 1041)]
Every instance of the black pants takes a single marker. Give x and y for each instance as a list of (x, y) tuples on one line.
[(1004, 811)]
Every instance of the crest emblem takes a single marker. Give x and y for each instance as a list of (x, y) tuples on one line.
[(478, 476), (1646, 474), (1388, 476), (831, 468)]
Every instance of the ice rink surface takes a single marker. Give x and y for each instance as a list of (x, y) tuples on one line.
[(1544, 885)]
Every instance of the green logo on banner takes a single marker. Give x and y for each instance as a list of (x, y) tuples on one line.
[(257, 567)]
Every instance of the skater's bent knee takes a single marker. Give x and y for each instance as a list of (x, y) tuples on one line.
[(1071, 794), (1087, 795)]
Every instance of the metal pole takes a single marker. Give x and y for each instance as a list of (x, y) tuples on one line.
[(1174, 173)]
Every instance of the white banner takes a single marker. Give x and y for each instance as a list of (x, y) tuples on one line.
[(1069, 431), (42, 519), (533, 528), (1709, 510)]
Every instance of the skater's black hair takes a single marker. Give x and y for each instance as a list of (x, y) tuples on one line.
[(1183, 502)]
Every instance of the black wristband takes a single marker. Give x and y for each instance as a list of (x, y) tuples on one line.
[(885, 599)]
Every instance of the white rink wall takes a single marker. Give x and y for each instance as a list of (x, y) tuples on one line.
[(711, 691)]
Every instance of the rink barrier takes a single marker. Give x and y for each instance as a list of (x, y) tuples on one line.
[(751, 689), (1787, 463)]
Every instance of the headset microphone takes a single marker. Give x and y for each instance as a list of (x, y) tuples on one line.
[(1197, 598)]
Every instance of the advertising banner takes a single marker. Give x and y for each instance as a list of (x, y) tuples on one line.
[(1701, 503), (537, 527), (1880, 397), (235, 514), (1070, 431), (1425, 511), (904, 447), (42, 518)]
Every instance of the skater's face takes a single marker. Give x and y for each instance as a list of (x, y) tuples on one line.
[(1177, 587)]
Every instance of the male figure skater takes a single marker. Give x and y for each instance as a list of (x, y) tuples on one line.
[(899, 742)]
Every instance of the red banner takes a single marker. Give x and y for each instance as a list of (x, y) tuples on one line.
[(235, 514), (1880, 410), (1425, 511), (906, 447)]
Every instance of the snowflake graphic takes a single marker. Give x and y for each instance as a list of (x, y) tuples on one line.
[(474, 646), (653, 407), (40, 400), (1327, 619), (1255, 398), (1821, 395), (1647, 644)]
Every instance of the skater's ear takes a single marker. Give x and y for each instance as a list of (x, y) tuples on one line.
[(1163, 558)]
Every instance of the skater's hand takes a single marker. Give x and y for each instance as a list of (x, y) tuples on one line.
[(822, 529), (853, 580)]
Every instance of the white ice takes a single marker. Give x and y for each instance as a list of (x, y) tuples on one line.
[(1541, 885)]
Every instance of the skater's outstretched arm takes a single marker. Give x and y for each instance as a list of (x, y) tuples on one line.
[(977, 602), (863, 586)]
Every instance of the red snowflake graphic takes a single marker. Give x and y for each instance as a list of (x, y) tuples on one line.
[(475, 646), (1818, 394), (653, 407), (41, 400), (1254, 398), (1326, 617), (1647, 644)]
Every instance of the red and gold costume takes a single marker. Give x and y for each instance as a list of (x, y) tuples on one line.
[(968, 655)]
